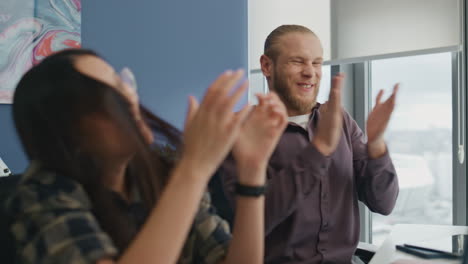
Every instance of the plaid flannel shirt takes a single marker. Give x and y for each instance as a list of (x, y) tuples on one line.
[(53, 223)]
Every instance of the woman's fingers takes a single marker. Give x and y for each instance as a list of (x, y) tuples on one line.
[(210, 94), (220, 98), (242, 115), (192, 110), (220, 91), (272, 109), (237, 94)]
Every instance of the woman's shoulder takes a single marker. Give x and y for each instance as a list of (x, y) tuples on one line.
[(52, 221), (44, 189)]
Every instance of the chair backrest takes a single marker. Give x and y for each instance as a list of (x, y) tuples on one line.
[(7, 248), (219, 199), (465, 254)]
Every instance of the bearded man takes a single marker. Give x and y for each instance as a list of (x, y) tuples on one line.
[(323, 164)]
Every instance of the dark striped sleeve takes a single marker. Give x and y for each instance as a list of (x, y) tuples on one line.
[(212, 234), (53, 223)]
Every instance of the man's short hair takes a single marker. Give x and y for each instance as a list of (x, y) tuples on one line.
[(272, 39)]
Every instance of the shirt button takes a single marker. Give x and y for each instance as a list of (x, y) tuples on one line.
[(325, 225)]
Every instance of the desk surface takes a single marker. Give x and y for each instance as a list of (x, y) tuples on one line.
[(425, 235)]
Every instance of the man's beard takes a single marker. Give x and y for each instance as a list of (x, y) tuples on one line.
[(281, 88)]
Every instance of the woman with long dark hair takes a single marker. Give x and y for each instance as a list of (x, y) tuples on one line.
[(110, 182)]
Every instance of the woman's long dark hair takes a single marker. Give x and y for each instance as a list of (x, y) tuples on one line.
[(48, 104)]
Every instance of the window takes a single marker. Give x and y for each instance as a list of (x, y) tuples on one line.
[(325, 84), (257, 84), (419, 138)]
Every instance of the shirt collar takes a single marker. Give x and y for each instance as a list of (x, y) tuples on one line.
[(313, 110)]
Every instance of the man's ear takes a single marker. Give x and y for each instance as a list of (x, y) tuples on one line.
[(267, 65)]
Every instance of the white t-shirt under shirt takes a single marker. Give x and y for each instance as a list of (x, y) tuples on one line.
[(301, 120)]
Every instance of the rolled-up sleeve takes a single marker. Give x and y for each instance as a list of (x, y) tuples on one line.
[(377, 181)]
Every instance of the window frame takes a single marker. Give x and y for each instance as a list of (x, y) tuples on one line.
[(359, 76), (362, 74)]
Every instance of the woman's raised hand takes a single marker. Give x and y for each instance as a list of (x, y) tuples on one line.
[(259, 136), (212, 127)]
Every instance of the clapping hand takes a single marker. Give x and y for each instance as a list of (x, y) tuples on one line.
[(212, 127), (258, 138), (329, 126), (377, 122)]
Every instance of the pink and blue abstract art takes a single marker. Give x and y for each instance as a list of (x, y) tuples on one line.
[(30, 30)]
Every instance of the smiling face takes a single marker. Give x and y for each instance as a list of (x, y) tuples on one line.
[(296, 71)]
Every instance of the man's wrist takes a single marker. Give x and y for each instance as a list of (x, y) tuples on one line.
[(376, 149)]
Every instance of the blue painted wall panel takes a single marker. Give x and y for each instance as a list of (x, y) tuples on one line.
[(176, 48)]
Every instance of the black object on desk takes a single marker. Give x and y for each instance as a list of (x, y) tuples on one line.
[(465, 255), (7, 243), (427, 253)]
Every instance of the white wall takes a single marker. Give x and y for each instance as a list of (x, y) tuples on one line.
[(266, 15), (375, 27)]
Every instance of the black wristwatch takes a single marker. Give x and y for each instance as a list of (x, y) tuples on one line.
[(250, 191)]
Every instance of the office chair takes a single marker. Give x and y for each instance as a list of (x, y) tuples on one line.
[(7, 248), (365, 251), (465, 254), (219, 199)]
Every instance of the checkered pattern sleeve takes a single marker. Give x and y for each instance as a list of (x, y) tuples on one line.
[(210, 235), (53, 223)]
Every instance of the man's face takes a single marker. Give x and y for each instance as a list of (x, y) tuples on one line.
[(297, 71)]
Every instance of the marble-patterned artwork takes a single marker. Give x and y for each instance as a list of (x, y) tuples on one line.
[(30, 30)]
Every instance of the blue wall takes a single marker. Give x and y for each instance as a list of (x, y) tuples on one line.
[(176, 48)]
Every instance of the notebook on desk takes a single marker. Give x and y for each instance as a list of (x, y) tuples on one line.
[(449, 247)]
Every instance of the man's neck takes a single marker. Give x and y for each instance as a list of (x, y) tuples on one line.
[(295, 112)]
